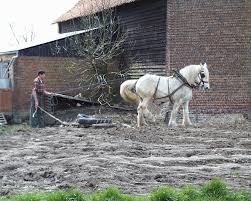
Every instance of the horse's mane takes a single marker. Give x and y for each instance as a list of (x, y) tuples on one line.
[(190, 72)]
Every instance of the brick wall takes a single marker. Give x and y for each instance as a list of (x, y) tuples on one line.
[(216, 32), (6, 100), (25, 70)]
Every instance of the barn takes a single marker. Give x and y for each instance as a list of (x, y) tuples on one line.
[(170, 34)]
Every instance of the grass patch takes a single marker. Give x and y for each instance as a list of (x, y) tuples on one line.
[(214, 190), (10, 129)]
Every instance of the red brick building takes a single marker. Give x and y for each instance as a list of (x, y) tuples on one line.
[(27, 61)]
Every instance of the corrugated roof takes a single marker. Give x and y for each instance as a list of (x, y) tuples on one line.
[(36, 43), (88, 7)]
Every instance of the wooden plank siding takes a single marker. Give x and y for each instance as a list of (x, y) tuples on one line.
[(45, 50), (145, 22), (145, 47)]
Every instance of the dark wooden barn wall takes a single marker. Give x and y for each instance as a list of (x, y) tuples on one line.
[(145, 22), (46, 49)]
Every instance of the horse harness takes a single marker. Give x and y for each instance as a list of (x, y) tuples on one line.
[(184, 83)]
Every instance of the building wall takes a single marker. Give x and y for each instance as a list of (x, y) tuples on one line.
[(6, 100), (58, 79), (145, 23), (48, 49), (6, 93), (216, 32)]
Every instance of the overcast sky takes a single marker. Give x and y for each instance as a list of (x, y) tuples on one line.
[(27, 16)]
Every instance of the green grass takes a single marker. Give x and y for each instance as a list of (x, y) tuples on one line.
[(10, 129), (214, 190)]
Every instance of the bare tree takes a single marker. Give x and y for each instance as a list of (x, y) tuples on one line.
[(100, 46), (27, 36)]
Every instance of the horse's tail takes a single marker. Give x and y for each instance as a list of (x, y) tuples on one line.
[(126, 92)]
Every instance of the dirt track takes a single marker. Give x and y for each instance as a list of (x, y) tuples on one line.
[(137, 160)]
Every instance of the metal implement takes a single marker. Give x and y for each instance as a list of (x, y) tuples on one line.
[(3, 121), (33, 115), (82, 119), (62, 122), (89, 120), (71, 97)]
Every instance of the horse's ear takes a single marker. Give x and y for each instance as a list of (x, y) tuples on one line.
[(205, 65)]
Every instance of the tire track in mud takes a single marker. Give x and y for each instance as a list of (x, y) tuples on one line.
[(137, 160)]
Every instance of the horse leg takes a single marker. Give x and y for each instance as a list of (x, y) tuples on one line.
[(147, 113), (164, 110), (140, 117), (142, 110), (186, 119), (172, 121)]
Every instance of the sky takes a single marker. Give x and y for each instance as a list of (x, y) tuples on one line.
[(27, 16)]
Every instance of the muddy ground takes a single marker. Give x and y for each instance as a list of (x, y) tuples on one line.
[(136, 160)]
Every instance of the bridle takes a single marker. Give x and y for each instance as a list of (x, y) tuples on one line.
[(201, 77)]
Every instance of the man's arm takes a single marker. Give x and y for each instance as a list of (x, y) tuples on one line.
[(34, 94), (47, 93)]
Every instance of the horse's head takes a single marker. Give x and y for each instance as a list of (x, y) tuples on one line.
[(203, 77)]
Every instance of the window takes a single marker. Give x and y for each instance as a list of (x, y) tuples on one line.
[(4, 70)]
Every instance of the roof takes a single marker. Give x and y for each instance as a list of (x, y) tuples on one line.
[(88, 7), (36, 43)]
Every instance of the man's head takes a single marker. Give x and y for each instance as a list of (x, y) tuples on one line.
[(41, 74)]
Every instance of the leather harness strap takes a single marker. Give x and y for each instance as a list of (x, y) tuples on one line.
[(154, 95), (184, 83), (177, 75)]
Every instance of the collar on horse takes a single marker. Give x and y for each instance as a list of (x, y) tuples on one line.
[(183, 79)]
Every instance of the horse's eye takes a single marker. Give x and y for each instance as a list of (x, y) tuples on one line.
[(202, 75)]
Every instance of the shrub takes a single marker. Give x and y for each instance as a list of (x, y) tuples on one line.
[(164, 194), (189, 193), (215, 189), (111, 194)]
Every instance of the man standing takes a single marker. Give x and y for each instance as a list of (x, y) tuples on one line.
[(37, 99)]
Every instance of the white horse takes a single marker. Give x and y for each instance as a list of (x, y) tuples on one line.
[(178, 88)]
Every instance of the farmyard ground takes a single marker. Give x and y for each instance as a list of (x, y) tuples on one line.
[(136, 160)]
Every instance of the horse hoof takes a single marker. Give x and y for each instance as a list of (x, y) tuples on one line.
[(186, 125), (172, 125), (153, 121), (141, 124)]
